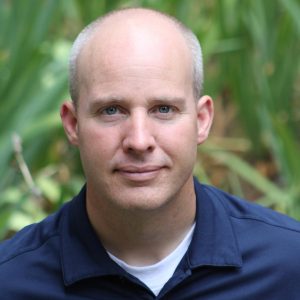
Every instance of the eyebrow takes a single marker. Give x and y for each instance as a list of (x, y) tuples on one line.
[(99, 101), (113, 99), (109, 98), (168, 99)]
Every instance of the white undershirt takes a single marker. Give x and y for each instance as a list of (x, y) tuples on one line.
[(155, 276)]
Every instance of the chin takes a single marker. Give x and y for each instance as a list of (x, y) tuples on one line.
[(142, 199)]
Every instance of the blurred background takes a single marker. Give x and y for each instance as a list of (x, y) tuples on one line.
[(252, 70)]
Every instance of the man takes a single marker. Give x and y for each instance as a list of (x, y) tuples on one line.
[(142, 227)]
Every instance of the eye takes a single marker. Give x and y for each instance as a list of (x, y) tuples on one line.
[(164, 109), (111, 110), (110, 113)]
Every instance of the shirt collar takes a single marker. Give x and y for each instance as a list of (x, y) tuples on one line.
[(83, 256), (214, 242)]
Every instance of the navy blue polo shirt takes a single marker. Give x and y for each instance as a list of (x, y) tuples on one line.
[(239, 251)]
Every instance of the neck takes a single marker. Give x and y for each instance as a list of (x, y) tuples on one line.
[(143, 237)]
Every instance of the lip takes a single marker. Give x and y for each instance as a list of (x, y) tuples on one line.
[(139, 173)]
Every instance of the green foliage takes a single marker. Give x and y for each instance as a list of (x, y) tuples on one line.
[(259, 71), (252, 70)]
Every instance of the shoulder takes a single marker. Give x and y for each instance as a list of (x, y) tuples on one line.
[(260, 232), (267, 240), (31, 258), (243, 210), (28, 241)]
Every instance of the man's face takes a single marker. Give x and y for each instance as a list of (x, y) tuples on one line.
[(137, 122)]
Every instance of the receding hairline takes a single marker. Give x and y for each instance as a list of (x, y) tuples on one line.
[(91, 30), (99, 22)]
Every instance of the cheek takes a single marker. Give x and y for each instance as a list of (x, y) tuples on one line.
[(180, 140), (97, 142)]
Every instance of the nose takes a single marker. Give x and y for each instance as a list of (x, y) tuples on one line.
[(138, 137)]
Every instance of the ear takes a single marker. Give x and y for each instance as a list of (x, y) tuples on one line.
[(205, 114), (68, 116)]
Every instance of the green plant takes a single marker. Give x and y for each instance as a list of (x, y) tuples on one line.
[(251, 69)]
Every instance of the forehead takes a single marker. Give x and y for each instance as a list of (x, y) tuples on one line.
[(129, 40), (135, 23)]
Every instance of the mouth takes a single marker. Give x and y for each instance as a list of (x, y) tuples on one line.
[(139, 173)]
